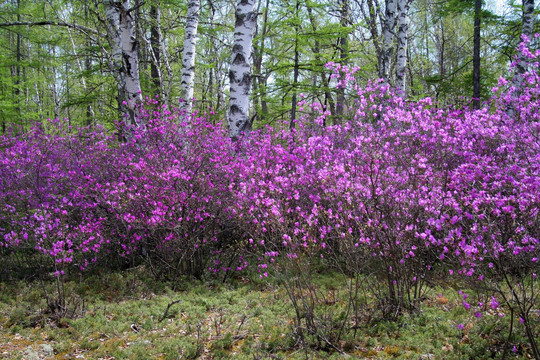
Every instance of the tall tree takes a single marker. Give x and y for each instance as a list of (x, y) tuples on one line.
[(527, 30), (240, 70), (476, 53), (389, 23), (343, 48), (188, 55), (296, 66), (156, 39), (124, 58), (402, 34)]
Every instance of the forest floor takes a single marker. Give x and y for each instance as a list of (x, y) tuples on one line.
[(130, 316)]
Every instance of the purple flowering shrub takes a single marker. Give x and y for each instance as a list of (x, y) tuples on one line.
[(82, 198), (402, 193)]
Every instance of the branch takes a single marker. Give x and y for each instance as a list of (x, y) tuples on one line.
[(167, 310), (81, 28)]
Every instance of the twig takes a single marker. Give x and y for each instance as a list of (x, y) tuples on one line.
[(167, 309)]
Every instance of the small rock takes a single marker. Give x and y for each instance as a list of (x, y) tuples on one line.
[(31, 354), (47, 349), (142, 342)]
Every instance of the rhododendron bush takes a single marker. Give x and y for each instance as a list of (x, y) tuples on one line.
[(401, 194)]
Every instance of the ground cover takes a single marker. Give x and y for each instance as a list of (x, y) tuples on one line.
[(124, 315)]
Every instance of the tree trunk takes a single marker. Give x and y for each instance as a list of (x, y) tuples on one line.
[(316, 49), (296, 69), (240, 72), (528, 18), (403, 29), (155, 48), (527, 30), (54, 88), (16, 70), (476, 54), (387, 50), (188, 55), (343, 55), (125, 60), (259, 83)]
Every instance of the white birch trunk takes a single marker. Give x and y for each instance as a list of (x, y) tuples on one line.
[(387, 50), (403, 30), (125, 60), (188, 55), (240, 71), (527, 29), (522, 60)]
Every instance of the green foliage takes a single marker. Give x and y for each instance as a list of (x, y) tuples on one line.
[(243, 321)]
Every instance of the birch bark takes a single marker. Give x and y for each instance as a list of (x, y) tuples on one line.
[(388, 39), (403, 30), (240, 72), (527, 30), (124, 59), (188, 55)]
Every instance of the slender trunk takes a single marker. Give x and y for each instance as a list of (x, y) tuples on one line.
[(188, 55), (476, 54), (155, 48), (89, 111), (403, 29), (240, 72), (527, 30), (38, 100), (16, 69), (54, 88), (296, 70), (316, 49), (343, 55), (259, 83), (387, 49), (125, 60)]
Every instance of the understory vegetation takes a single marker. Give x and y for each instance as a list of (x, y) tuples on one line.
[(128, 315)]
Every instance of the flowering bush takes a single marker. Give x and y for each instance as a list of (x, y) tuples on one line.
[(400, 193)]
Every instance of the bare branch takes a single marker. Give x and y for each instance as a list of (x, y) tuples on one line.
[(81, 28)]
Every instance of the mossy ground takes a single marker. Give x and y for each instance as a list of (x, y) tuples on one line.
[(117, 316)]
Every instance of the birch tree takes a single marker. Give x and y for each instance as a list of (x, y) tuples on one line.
[(188, 54), (124, 61), (240, 70), (387, 49), (527, 30), (403, 29)]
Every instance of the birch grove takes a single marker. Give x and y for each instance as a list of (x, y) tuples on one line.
[(106, 54), (240, 70)]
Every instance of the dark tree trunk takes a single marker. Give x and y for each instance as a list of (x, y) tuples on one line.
[(296, 70), (476, 54), (343, 55), (155, 43)]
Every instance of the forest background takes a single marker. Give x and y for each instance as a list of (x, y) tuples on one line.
[(63, 59)]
